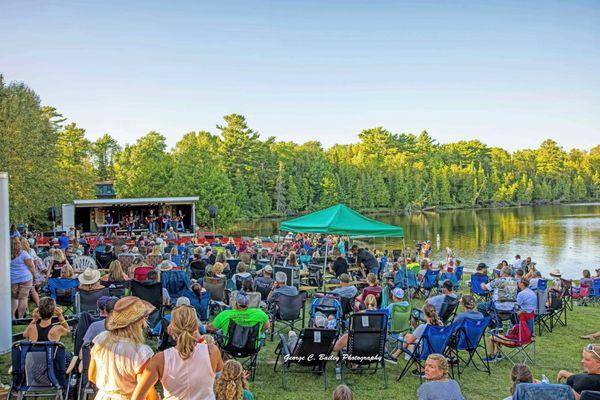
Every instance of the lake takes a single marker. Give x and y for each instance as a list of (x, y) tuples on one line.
[(565, 236)]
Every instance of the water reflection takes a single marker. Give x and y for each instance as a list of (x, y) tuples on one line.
[(555, 236)]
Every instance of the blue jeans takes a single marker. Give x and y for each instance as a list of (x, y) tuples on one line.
[(152, 226), (180, 227)]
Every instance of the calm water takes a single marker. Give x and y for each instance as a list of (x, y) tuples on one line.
[(555, 236)]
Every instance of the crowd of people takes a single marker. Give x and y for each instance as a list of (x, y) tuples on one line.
[(124, 366)]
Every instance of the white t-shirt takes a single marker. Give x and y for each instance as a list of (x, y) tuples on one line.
[(117, 366)]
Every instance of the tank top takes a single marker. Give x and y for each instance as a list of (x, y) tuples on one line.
[(42, 332), (191, 379)]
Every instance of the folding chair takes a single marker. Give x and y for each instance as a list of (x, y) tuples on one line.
[(541, 313), (82, 262), (176, 282), (39, 370), (567, 294), (287, 310), (242, 342), (470, 337), (375, 291), (86, 300), (116, 288), (312, 350), (477, 292), (263, 289), (366, 344), (216, 288), (544, 391), (434, 340), (152, 293), (458, 274), (406, 280), (399, 324), (85, 389), (104, 258), (521, 340), (429, 282), (448, 309), (447, 276), (153, 259), (63, 290), (556, 312)]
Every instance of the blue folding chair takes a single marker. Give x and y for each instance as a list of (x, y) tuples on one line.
[(202, 306), (476, 291), (176, 282), (39, 370), (470, 337), (595, 292), (429, 281), (63, 290), (543, 391), (435, 339), (458, 273), (447, 276)]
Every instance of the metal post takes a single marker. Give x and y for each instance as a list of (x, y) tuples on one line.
[(5, 297), (325, 263)]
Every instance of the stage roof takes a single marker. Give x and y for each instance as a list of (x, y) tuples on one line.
[(134, 202)]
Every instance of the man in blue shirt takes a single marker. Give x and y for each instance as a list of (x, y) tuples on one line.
[(526, 298), (437, 301)]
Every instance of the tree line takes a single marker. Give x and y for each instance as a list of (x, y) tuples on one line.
[(51, 162)]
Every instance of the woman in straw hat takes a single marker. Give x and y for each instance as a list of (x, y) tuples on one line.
[(198, 362), (119, 353), (89, 280)]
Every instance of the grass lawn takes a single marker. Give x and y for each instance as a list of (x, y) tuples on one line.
[(560, 349)]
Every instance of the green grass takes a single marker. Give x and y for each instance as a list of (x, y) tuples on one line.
[(558, 350)]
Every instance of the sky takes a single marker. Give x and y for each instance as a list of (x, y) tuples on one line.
[(509, 73)]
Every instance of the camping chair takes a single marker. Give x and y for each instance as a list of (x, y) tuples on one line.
[(104, 258), (82, 262), (198, 270), (366, 344), (375, 291), (312, 350), (39, 370), (521, 339), (153, 259), (503, 317), (469, 336), (541, 312), (85, 389), (63, 290), (116, 288), (263, 289), (567, 294), (429, 282), (477, 292), (202, 305), (216, 287), (243, 342), (435, 339), (141, 273), (594, 293), (152, 293), (176, 282), (165, 340), (458, 274), (448, 309), (399, 324), (406, 280), (447, 276), (86, 300), (254, 298), (556, 312), (126, 260), (287, 310), (544, 391)]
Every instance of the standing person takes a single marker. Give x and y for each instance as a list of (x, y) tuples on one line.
[(108, 220), (22, 271), (186, 371), (151, 221), (233, 384), (119, 353), (38, 276), (518, 263), (366, 261), (438, 386)]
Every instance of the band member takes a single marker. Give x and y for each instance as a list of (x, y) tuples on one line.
[(129, 221), (179, 226), (151, 221), (166, 222), (108, 222)]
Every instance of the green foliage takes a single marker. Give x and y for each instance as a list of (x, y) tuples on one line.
[(247, 176)]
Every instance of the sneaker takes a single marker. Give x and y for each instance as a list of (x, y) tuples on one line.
[(391, 359), (490, 359), (499, 357)]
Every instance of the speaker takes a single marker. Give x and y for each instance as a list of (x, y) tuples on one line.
[(213, 211), (53, 214)]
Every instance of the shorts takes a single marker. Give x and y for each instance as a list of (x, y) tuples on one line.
[(21, 290)]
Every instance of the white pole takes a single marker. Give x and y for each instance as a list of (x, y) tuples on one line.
[(5, 299)]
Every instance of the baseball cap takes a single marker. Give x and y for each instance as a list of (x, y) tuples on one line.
[(398, 293), (268, 268), (242, 299)]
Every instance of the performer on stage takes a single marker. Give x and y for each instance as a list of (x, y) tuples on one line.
[(179, 226), (166, 222), (108, 222), (151, 221)]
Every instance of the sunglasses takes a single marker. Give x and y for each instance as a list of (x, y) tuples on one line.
[(590, 349)]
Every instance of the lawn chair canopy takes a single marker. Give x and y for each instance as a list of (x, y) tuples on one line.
[(341, 220)]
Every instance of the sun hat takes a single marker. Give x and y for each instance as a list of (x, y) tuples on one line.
[(127, 311), (398, 293), (89, 276), (555, 272), (165, 266)]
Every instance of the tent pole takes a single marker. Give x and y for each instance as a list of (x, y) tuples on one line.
[(325, 263)]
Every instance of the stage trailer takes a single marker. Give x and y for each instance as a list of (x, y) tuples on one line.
[(88, 214)]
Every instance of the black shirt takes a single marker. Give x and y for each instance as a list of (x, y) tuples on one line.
[(340, 266), (581, 382), (367, 258)]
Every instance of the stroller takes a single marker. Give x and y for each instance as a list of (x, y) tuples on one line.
[(329, 304)]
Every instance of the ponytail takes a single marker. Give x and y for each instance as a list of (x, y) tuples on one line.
[(183, 327)]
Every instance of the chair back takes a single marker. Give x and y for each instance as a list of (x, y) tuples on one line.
[(84, 321), (198, 269), (435, 339), (263, 287), (590, 395), (430, 279), (151, 292), (400, 318), (116, 288), (201, 305), (239, 281), (86, 300), (153, 259), (82, 262), (448, 276), (448, 308), (367, 337), (254, 298), (290, 307), (522, 333), (405, 279), (176, 282), (242, 341), (469, 333), (312, 344), (458, 273), (126, 260), (104, 258), (543, 391), (63, 290), (141, 273), (596, 287), (542, 300), (476, 281), (38, 366), (216, 287)]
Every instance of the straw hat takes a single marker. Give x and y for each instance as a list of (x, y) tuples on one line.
[(127, 311), (165, 266), (89, 276), (555, 272)]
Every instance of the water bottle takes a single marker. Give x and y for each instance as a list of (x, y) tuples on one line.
[(545, 379), (338, 372)]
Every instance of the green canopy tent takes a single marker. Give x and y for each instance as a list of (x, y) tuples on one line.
[(340, 220)]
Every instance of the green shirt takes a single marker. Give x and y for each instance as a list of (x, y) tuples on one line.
[(247, 317)]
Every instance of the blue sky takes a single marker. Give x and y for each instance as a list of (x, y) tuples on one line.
[(509, 73)]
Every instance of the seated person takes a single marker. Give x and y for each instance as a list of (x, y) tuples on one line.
[(468, 304), (533, 282), (520, 373), (397, 298), (232, 384), (89, 280), (115, 273), (526, 299), (346, 289), (280, 287), (431, 318), (41, 329), (438, 385), (504, 296), (105, 305), (241, 314), (154, 277), (371, 305), (588, 380), (255, 297), (371, 283), (241, 273), (266, 280), (437, 301), (182, 301)]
